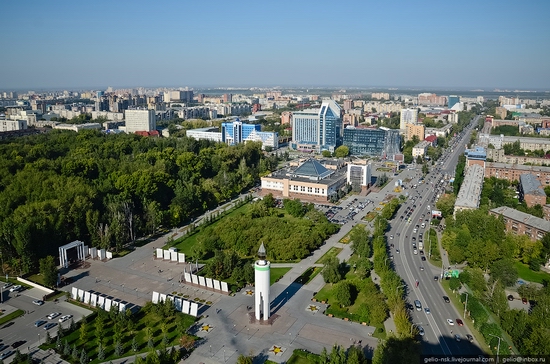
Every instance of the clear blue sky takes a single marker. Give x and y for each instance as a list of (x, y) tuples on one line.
[(471, 44)]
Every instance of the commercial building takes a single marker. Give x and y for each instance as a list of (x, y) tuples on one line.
[(382, 142), (476, 156), (140, 120), (470, 191), (211, 133), (78, 127), (408, 116), (237, 132), (521, 223), (310, 181), (360, 175), (452, 100), (531, 191), (317, 129)]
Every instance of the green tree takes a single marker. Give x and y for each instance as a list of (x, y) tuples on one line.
[(331, 271), (48, 271), (342, 151), (503, 270), (326, 154), (342, 292), (100, 352)]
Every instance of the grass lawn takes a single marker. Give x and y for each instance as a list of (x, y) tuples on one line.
[(144, 319), (185, 244), (435, 259), (370, 216), (11, 316), (332, 252), (529, 275), (277, 273), (36, 278), (308, 275)]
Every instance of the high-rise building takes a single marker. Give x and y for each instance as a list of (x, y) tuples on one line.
[(239, 132), (453, 99), (318, 129), (408, 116), (412, 130), (140, 120), (364, 141)]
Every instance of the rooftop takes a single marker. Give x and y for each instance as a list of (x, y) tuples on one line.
[(522, 217), (530, 184), (468, 196)]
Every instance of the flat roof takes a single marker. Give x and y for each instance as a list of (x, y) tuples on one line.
[(470, 191), (520, 167), (530, 184)]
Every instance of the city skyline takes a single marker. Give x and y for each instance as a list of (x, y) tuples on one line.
[(289, 44)]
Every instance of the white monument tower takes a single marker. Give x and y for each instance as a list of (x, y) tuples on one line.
[(261, 279)]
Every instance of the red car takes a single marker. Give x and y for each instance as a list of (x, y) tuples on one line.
[(524, 300), (459, 322)]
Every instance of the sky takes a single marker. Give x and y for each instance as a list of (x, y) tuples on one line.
[(401, 43)]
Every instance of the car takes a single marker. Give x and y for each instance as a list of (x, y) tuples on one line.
[(49, 325), (413, 238), (446, 299), (421, 330), (459, 322), (65, 318), (423, 259), (421, 268), (15, 288), (427, 310), (510, 297), (53, 315), (391, 237), (422, 252), (5, 354), (397, 251), (3, 347), (415, 251), (38, 302), (457, 337), (436, 278), (7, 285), (39, 323), (469, 337), (524, 301), (450, 322), (18, 344)]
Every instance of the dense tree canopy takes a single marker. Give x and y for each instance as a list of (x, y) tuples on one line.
[(106, 190)]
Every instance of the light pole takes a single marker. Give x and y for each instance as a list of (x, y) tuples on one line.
[(465, 305), (122, 287), (498, 347), (396, 288), (38, 339)]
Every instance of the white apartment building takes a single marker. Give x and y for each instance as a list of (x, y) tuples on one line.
[(11, 125), (140, 120), (408, 116)]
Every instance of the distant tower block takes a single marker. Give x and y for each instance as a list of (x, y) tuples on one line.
[(261, 279)]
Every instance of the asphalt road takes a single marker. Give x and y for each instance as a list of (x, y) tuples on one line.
[(439, 335)]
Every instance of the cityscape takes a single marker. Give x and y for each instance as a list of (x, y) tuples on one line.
[(281, 182)]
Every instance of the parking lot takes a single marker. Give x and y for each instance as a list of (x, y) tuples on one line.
[(21, 332)]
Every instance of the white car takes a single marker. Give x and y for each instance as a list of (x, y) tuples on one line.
[(53, 315), (65, 318), (15, 288), (38, 302), (450, 322)]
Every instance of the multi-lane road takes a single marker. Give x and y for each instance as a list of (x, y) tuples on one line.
[(419, 275)]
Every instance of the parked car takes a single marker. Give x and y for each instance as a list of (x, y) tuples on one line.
[(53, 315), (5, 354), (40, 323), (510, 297), (65, 318), (459, 322), (15, 288), (524, 301), (7, 285), (49, 325)]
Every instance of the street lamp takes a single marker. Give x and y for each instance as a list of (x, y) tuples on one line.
[(465, 305), (396, 288), (498, 347), (122, 287), (39, 339)]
